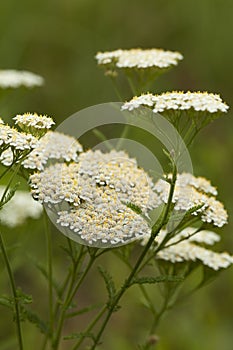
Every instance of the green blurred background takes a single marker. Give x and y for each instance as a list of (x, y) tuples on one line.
[(58, 40)]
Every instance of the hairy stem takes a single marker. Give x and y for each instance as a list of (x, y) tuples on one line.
[(155, 229), (14, 292), (73, 288)]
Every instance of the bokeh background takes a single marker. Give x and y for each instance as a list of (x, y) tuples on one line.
[(58, 40)]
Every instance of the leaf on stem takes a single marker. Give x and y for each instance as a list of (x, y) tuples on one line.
[(44, 272), (84, 310), (154, 280), (36, 320), (9, 195), (7, 301), (80, 335), (109, 283)]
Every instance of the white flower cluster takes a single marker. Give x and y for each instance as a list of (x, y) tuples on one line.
[(99, 185), (179, 100), (121, 173), (61, 182), (33, 120), (11, 137), (191, 192), (139, 58), (53, 145), (19, 208), (10, 78), (187, 250), (104, 219)]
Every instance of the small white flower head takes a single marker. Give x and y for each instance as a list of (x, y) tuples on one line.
[(185, 251), (179, 101), (6, 157), (194, 235), (184, 247), (144, 100), (11, 137), (197, 101), (191, 192), (13, 79), (183, 109), (5, 133), (200, 183), (19, 208), (53, 145), (33, 123), (139, 58)]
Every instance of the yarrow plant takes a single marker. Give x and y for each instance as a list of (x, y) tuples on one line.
[(106, 203)]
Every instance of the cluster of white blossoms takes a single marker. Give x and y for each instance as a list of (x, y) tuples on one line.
[(11, 137), (31, 122), (104, 220), (10, 78), (98, 184), (53, 145), (121, 173), (61, 182), (139, 58), (19, 208), (184, 247), (179, 100), (12, 140), (191, 192)]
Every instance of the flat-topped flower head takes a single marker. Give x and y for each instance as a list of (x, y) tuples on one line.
[(103, 222), (191, 192), (189, 250), (121, 173), (179, 100), (115, 171), (53, 145), (185, 251), (139, 58), (184, 247), (13, 79), (141, 67), (182, 108), (33, 123), (99, 199), (11, 137)]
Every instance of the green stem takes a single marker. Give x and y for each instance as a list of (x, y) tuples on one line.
[(122, 137), (14, 292), (160, 314), (117, 91), (90, 326), (50, 272), (146, 296), (70, 295), (103, 138), (141, 286), (9, 183), (155, 229), (132, 87), (6, 171)]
